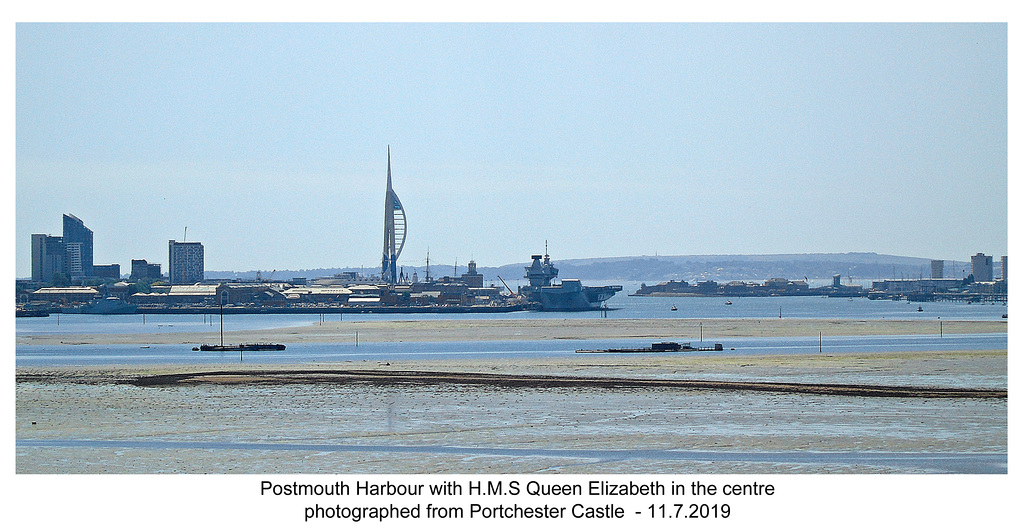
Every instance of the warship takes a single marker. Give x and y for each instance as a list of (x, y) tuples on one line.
[(567, 296)]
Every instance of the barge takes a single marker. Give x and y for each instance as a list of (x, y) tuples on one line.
[(664, 346), (244, 346)]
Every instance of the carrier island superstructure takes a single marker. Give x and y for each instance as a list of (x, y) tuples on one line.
[(569, 295)]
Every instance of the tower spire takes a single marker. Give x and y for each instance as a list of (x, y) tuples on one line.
[(394, 231)]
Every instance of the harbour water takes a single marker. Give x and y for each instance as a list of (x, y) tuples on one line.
[(620, 307), (66, 355), (623, 308)]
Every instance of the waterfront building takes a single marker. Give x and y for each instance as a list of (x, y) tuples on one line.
[(472, 278), (185, 262), (981, 268), (937, 269), (68, 295), (394, 231), (78, 247), (317, 294), (1003, 274), (906, 287), (194, 295), (120, 290), (365, 295)]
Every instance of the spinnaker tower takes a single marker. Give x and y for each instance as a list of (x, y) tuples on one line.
[(394, 231)]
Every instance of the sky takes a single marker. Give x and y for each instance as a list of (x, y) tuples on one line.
[(269, 141)]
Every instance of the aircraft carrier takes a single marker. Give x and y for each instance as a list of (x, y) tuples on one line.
[(567, 296)]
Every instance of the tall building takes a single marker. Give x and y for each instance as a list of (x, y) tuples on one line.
[(47, 257), (107, 271), (937, 268), (70, 254), (394, 231), (184, 262), (1003, 259), (142, 269), (78, 247), (981, 268)]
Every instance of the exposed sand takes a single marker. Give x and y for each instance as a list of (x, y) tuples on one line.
[(577, 423), (534, 329)]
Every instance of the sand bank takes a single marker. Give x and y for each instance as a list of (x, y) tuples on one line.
[(961, 369), (535, 329), (388, 377)]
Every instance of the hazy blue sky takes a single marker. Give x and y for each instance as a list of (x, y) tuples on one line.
[(269, 141)]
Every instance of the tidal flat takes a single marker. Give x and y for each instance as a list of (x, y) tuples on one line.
[(98, 420)]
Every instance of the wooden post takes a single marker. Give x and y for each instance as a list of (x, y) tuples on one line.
[(222, 324)]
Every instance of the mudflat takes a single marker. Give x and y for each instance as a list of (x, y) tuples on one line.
[(257, 419), (462, 416)]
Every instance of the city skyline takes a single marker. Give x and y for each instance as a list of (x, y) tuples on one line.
[(270, 141)]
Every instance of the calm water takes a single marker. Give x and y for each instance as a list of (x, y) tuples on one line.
[(54, 355), (626, 307)]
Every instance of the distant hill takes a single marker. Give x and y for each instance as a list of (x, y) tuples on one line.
[(862, 267)]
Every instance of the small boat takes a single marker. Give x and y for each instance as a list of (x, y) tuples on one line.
[(728, 303), (239, 347), (920, 309), (674, 308), (19, 312)]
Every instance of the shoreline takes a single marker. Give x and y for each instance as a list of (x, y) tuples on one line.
[(534, 329)]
